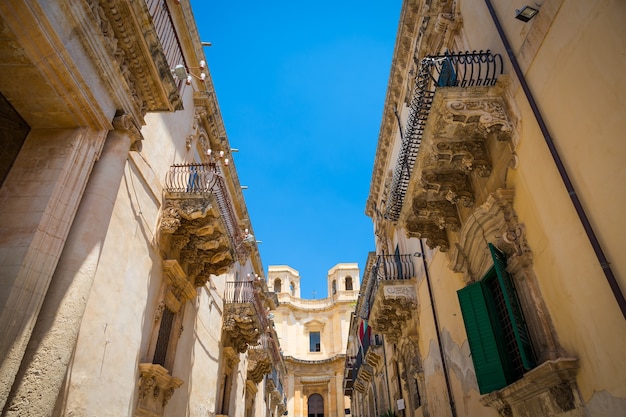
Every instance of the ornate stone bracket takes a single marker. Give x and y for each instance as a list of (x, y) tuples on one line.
[(454, 186), (127, 123), (441, 212), (179, 289), (259, 364), (197, 236), (433, 233), (453, 160), (242, 324), (156, 387), (392, 308), (479, 117), (466, 155)]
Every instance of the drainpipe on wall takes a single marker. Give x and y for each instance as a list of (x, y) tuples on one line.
[(597, 248), (436, 322)]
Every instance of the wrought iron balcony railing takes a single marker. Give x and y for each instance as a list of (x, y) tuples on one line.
[(462, 69), (164, 25), (388, 267), (203, 180), (276, 380)]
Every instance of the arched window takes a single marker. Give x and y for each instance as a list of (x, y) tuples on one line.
[(292, 288), (316, 406), (334, 287), (348, 283), (277, 284)]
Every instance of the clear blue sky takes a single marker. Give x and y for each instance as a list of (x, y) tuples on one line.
[(301, 87)]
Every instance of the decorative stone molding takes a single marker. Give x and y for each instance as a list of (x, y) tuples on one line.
[(242, 324), (392, 308), (453, 161), (139, 55), (548, 390), (495, 221), (466, 155), (156, 387), (441, 212), (259, 364), (433, 233), (478, 117), (179, 288), (127, 123), (196, 235)]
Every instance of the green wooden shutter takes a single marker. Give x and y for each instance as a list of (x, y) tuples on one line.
[(513, 307), (482, 330)]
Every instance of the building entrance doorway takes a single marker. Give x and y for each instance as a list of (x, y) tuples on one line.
[(316, 406)]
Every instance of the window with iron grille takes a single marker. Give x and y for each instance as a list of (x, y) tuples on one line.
[(496, 330), (163, 340)]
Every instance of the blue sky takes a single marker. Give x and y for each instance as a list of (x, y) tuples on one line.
[(301, 87)]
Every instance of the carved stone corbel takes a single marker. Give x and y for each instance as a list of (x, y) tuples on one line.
[(480, 117), (127, 123), (179, 288), (197, 237), (440, 212), (156, 387), (434, 234), (454, 186), (466, 155)]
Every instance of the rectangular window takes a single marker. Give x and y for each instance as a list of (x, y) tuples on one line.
[(314, 342), (163, 339), (495, 326)]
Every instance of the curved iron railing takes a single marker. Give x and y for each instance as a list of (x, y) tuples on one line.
[(387, 267), (462, 69)]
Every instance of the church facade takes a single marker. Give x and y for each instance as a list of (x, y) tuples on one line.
[(313, 336)]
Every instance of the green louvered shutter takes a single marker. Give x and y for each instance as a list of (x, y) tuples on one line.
[(482, 330), (515, 312)]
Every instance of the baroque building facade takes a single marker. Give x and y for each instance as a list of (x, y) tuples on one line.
[(497, 283), (313, 336), (129, 272)]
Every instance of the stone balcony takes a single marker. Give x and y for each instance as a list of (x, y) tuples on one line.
[(198, 224), (245, 313), (274, 386), (391, 294), (454, 140), (261, 358)]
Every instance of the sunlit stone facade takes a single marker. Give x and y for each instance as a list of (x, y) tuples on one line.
[(129, 271), (313, 335), (497, 283)]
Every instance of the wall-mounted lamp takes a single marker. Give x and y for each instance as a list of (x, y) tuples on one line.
[(213, 157), (183, 73), (526, 13), (206, 44)]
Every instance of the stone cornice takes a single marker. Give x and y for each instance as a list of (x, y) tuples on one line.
[(337, 358), (135, 49)]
